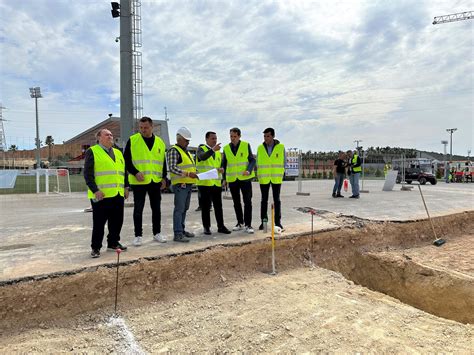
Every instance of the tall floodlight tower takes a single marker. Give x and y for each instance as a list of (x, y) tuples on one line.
[(131, 95), (35, 93), (137, 61)]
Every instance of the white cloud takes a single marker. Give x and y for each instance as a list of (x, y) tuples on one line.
[(321, 73)]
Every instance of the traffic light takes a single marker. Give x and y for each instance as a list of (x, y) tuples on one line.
[(115, 9)]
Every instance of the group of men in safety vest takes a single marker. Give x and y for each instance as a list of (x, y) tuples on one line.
[(144, 165)]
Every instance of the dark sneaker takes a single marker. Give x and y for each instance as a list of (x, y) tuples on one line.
[(339, 196), (260, 227), (188, 234), (207, 231), (117, 246), (95, 253), (223, 230), (334, 195), (354, 196), (180, 238)]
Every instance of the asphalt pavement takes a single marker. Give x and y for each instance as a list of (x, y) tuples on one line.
[(42, 234)]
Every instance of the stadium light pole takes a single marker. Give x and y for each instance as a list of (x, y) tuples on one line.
[(451, 131), (446, 168), (35, 93)]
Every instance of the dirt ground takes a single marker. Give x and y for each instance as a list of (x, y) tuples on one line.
[(303, 310), (222, 299)]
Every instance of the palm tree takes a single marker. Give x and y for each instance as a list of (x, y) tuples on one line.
[(13, 148), (49, 142)]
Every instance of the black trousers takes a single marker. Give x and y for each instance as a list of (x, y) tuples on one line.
[(265, 189), (211, 195), (110, 211), (139, 196), (246, 187)]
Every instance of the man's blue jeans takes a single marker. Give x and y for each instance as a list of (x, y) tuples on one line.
[(354, 180), (182, 199), (338, 180)]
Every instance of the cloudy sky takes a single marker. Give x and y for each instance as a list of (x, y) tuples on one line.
[(322, 73)]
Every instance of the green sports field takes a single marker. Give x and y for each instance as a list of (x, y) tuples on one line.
[(27, 185)]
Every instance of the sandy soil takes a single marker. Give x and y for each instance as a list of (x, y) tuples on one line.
[(220, 299), (304, 310)]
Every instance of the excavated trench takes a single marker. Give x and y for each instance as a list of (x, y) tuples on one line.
[(361, 253)]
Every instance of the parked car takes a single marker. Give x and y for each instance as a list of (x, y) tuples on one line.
[(417, 174)]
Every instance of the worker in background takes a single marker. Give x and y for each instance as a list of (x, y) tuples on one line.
[(339, 173), (354, 171), (270, 171), (238, 164), (183, 175), (104, 173), (387, 168), (145, 161), (208, 157)]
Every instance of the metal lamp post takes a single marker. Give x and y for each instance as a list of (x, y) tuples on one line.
[(35, 93), (451, 131)]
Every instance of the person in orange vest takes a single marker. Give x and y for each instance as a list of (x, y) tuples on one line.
[(183, 176), (104, 173)]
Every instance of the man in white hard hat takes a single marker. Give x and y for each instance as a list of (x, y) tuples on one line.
[(182, 169)]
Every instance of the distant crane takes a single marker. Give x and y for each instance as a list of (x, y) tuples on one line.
[(460, 16)]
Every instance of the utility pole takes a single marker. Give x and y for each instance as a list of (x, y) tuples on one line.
[(451, 131), (3, 141), (357, 141), (166, 114), (446, 167)]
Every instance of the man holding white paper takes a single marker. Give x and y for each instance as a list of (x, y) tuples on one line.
[(208, 163)]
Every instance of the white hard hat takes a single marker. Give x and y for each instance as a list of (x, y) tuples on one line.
[(184, 132)]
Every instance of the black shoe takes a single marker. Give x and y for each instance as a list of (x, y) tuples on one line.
[(95, 253), (339, 195), (354, 196), (207, 231), (117, 246), (334, 195), (260, 227), (224, 230), (188, 234), (180, 238)]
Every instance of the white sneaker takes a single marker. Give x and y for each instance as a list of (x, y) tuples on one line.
[(137, 241), (249, 230), (160, 238), (238, 227)]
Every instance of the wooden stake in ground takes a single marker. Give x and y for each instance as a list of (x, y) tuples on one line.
[(273, 240), (118, 250)]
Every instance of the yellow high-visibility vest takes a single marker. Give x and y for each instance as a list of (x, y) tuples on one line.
[(187, 164), (213, 162), (149, 162), (237, 164), (354, 161), (109, 175), (270, 169)]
